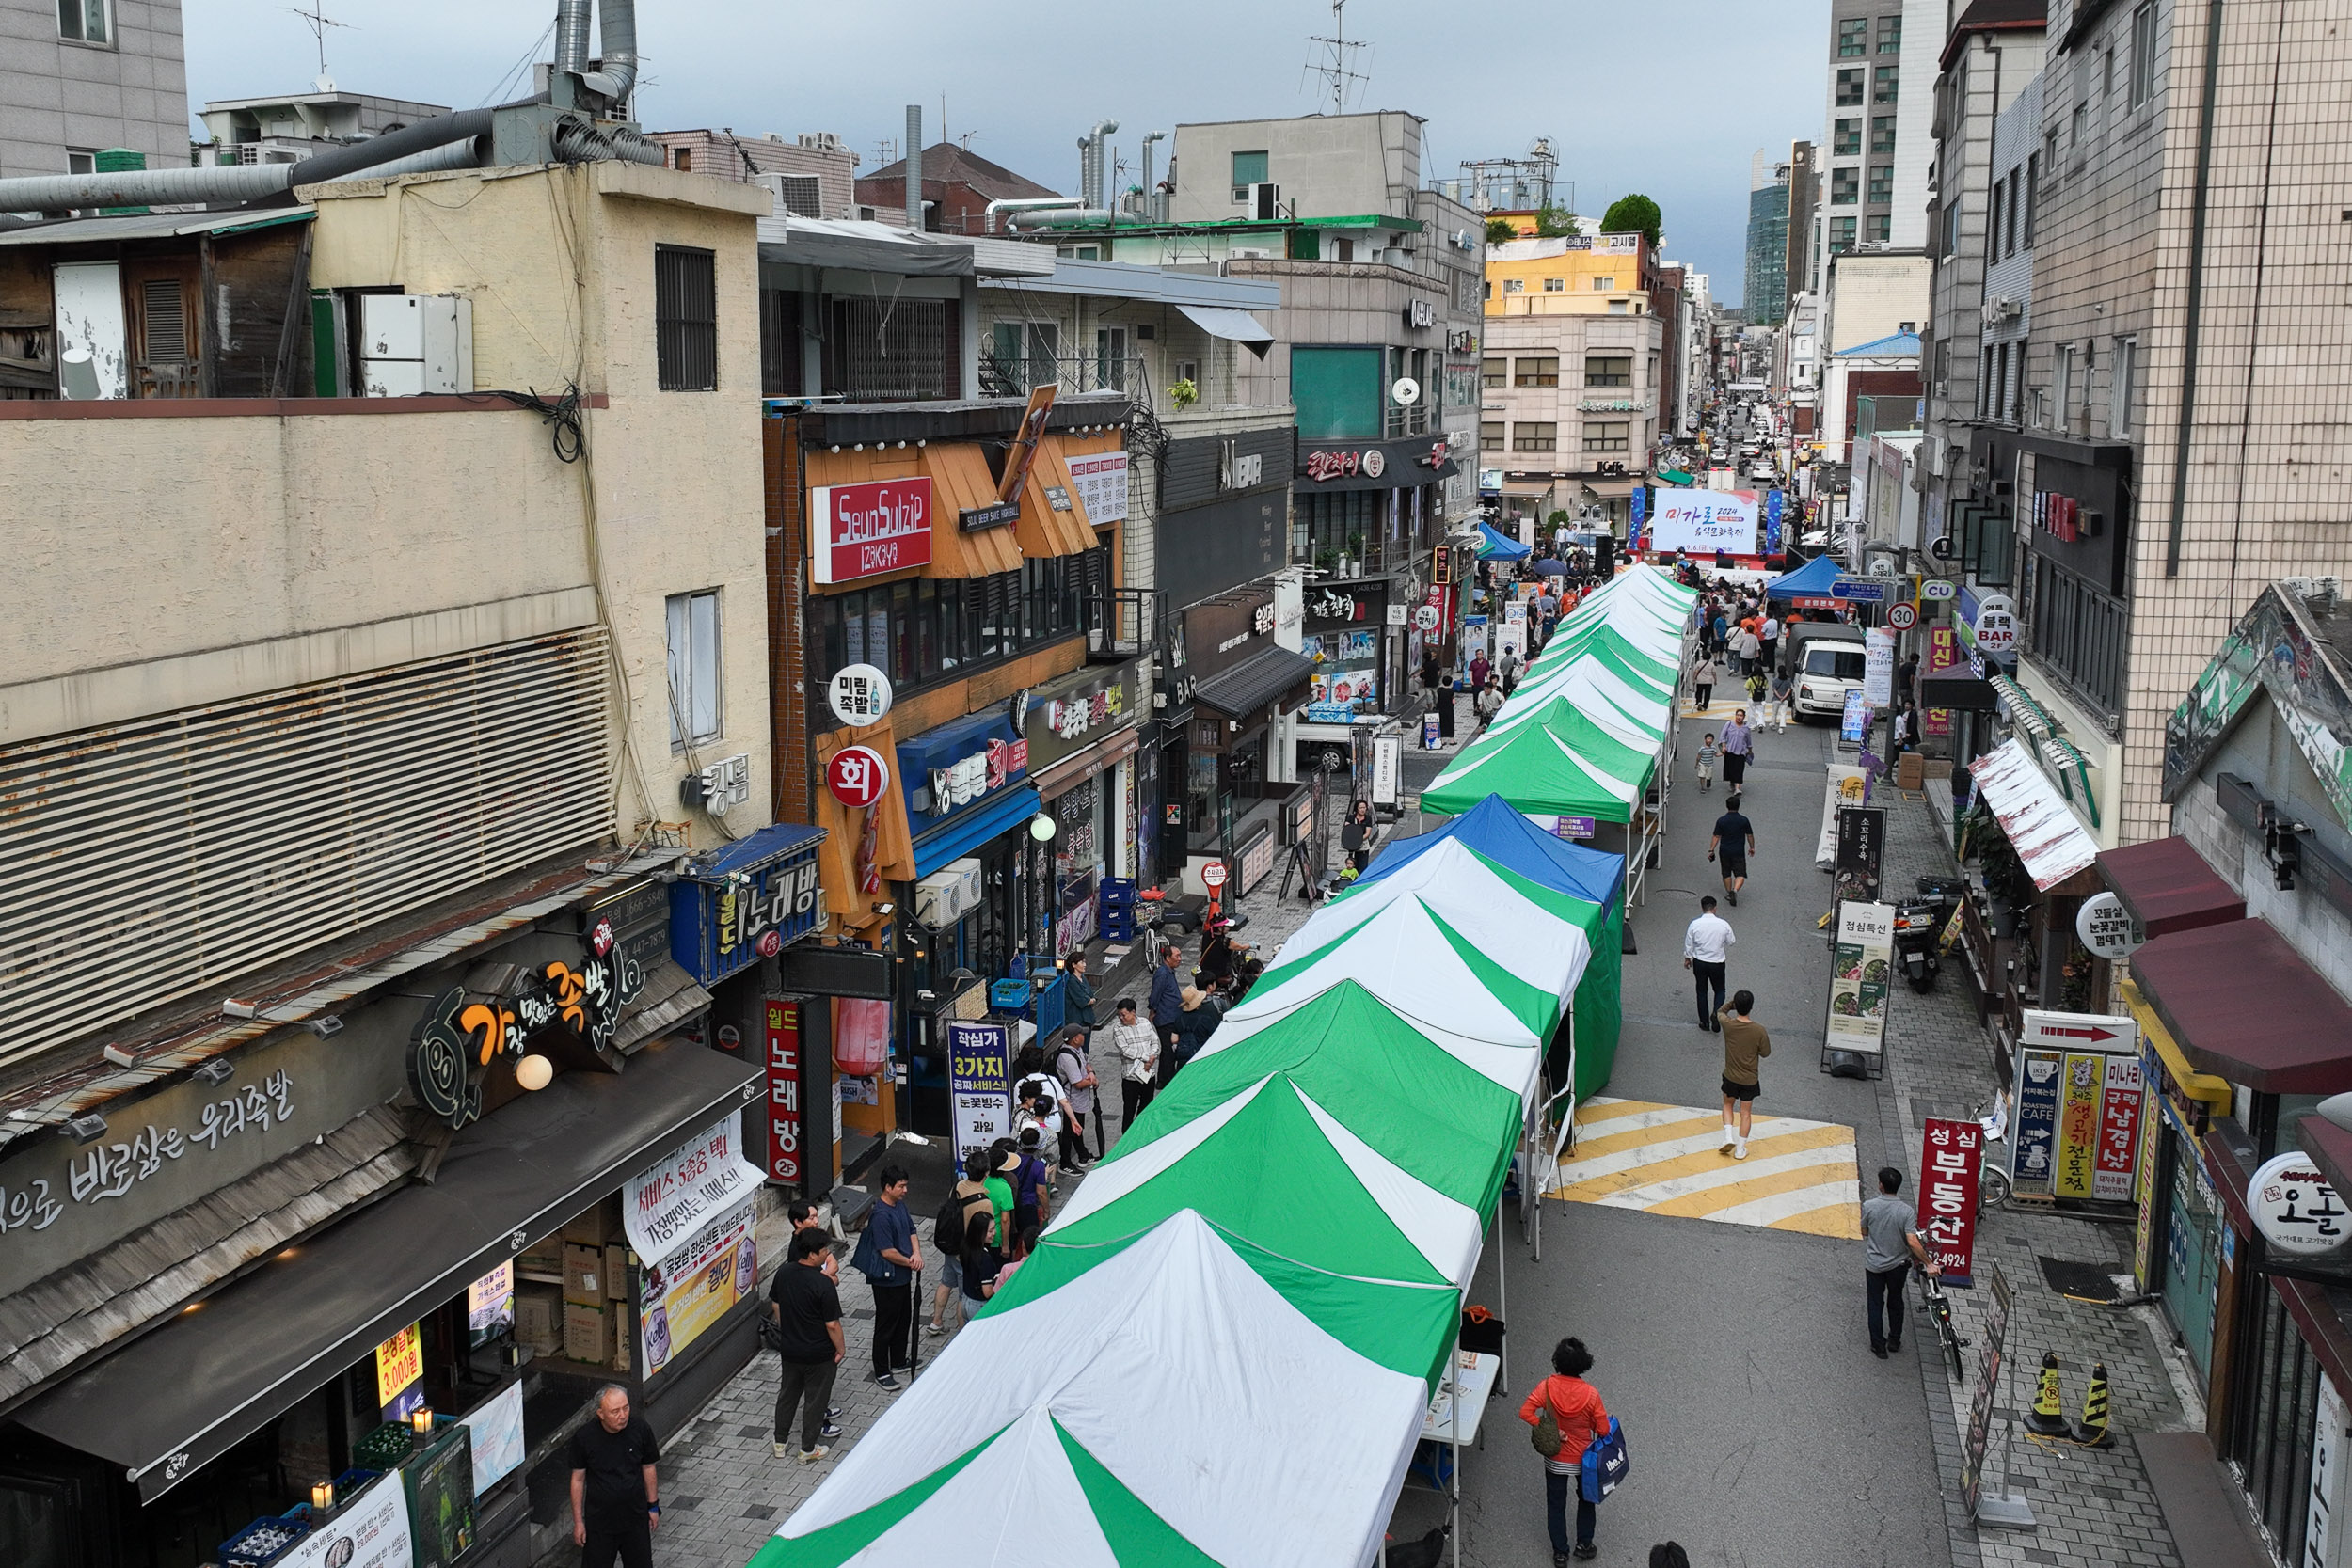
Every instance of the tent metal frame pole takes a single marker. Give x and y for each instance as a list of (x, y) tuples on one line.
[(1453, 1445), (1502, 1302)]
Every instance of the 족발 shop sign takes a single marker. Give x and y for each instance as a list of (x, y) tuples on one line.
[(864, 531)]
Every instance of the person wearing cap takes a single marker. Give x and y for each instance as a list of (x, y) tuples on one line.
[(1194, 1025)]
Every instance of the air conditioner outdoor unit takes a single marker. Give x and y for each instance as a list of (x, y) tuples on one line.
[(823, 141), (2002, 308), (1249, 252), (947, 896), (411, 345), (1266, 202)]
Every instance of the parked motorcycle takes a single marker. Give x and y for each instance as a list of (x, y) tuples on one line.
[(1920, 923)]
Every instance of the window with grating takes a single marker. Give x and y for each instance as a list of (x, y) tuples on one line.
[(146, 862), (891, 349), (686, 319)]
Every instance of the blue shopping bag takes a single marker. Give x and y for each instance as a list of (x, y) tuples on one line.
[(1604, 1464)]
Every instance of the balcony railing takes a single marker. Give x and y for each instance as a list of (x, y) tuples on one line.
[(1122, 623), (1397, 423), (1002, 377)]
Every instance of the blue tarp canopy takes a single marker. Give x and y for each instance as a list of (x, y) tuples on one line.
[(1505, 835), (1496, 546), (1809, 581)]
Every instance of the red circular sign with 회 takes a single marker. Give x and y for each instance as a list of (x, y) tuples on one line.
[(857, 775)]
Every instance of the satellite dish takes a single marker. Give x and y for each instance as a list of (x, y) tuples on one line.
[(1406, 393)]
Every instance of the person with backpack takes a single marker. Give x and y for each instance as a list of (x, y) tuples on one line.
[(1568, 1415), (968, 1200), (1073, 1065), (889, 1257), (1032, 1192), (1041, 1100)]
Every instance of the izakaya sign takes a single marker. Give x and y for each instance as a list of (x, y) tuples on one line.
[(863, 531), (1704, 521), (455, 1039), (1345, 464)]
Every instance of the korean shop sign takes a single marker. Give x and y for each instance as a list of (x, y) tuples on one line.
[(60, 1201), (1067, 717), (2295, 1207), (726, 921), (461, 1034), (863, 531)]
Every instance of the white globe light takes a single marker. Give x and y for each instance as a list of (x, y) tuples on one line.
[(1041, 827), (534, 1072)]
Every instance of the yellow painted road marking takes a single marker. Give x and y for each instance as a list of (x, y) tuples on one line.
[(1799, 1176)]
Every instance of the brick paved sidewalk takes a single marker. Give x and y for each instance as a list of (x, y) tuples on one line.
[(2092, 1507)]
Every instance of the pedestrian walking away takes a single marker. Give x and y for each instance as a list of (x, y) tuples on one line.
[(1138, 1047), (971, 1199), (1707, 954), (1575, 1408), (1703, 763), (616, 1496), (889, 1257), (1739, 744), (806, 1310), (1784, 693), (1733, 841), (1709, 675), (1745, 1046), (1890, 1246)]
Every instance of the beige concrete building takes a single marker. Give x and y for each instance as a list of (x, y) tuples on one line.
[(2173, 435), (1568, 411)]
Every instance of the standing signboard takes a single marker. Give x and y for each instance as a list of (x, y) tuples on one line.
[(1861, 848), (980, 1082), (1860, 967), (368, 1529), (1950, 1158), (1855, 719), (1387, 758), (2080, 1095), (1991, 1357)]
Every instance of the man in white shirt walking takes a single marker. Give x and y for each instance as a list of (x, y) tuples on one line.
[(1707, 954), (1138, 1047)]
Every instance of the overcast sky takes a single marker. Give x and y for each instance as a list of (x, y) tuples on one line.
[(1666, 97)]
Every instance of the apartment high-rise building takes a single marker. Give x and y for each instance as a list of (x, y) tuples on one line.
[(82, 77), (1767, 281), (1873, 165)]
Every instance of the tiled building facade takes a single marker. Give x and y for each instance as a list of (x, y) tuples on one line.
[(2187, 337)]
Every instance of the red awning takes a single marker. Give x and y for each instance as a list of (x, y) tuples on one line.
[(2246, 1007), (2168, 887)]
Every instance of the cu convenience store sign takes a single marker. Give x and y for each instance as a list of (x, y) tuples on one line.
[(864, 531)]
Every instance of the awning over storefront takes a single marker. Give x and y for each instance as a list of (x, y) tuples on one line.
[(1610, 489), (967, 833), (1254, 683), (2168, 887), (1527, 486), (2046, 835), (1240, 327), (1078, 768), (175, 1399), (2246, 1007)]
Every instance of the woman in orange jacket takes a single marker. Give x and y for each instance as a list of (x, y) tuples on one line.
[(1576, 1407)]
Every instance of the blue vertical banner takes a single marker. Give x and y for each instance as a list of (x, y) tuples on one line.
[(1638, 503), (1771, 522)]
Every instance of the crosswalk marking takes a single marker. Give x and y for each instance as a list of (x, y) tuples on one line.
[(1668, 1160)]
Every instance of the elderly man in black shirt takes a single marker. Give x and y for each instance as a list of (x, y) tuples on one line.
[(616, 1500)]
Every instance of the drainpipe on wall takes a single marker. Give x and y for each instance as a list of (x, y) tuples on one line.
[(2196, 291)]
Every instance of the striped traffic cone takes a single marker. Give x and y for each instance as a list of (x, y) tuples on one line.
[(2093, 1432), (2048, 1415)]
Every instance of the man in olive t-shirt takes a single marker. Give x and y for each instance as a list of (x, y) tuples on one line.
[(1745, 1046)]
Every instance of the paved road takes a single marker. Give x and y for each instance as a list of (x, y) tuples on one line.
[(1762, 1430)]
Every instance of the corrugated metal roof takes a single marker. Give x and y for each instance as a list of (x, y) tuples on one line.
[(153, 225)]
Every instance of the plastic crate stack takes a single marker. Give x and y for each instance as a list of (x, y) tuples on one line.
[(1118, 909)]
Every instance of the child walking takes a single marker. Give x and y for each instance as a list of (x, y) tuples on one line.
[(1708, 751)]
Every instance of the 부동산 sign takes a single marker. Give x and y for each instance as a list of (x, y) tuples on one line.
[(1704, 521)]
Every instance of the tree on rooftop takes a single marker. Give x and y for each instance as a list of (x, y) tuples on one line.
[(1634, 213)]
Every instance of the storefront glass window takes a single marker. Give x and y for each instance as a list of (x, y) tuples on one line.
[(2276, 1408), (924, 631)]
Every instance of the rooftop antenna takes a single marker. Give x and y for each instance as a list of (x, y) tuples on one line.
[(318, 22), (1338, 59)]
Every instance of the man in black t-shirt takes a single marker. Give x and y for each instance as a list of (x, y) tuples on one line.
[(806, 1307), (616, 1500), (1734, 841)]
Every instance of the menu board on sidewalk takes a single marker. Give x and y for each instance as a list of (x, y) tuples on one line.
[(1861, 964)]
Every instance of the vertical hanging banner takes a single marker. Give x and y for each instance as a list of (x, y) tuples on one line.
[(1950, 1165), (781, 1035), (1771, 522), (1638, 509), (2121, 1105), (980, 1082), (1860, 967)]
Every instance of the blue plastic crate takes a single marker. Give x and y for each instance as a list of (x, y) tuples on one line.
[(1008, 996), (263, 1542)]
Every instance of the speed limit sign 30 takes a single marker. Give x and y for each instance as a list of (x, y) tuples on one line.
[(1902, 617)]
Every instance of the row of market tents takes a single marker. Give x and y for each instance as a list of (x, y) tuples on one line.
[(1223, 1350)]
